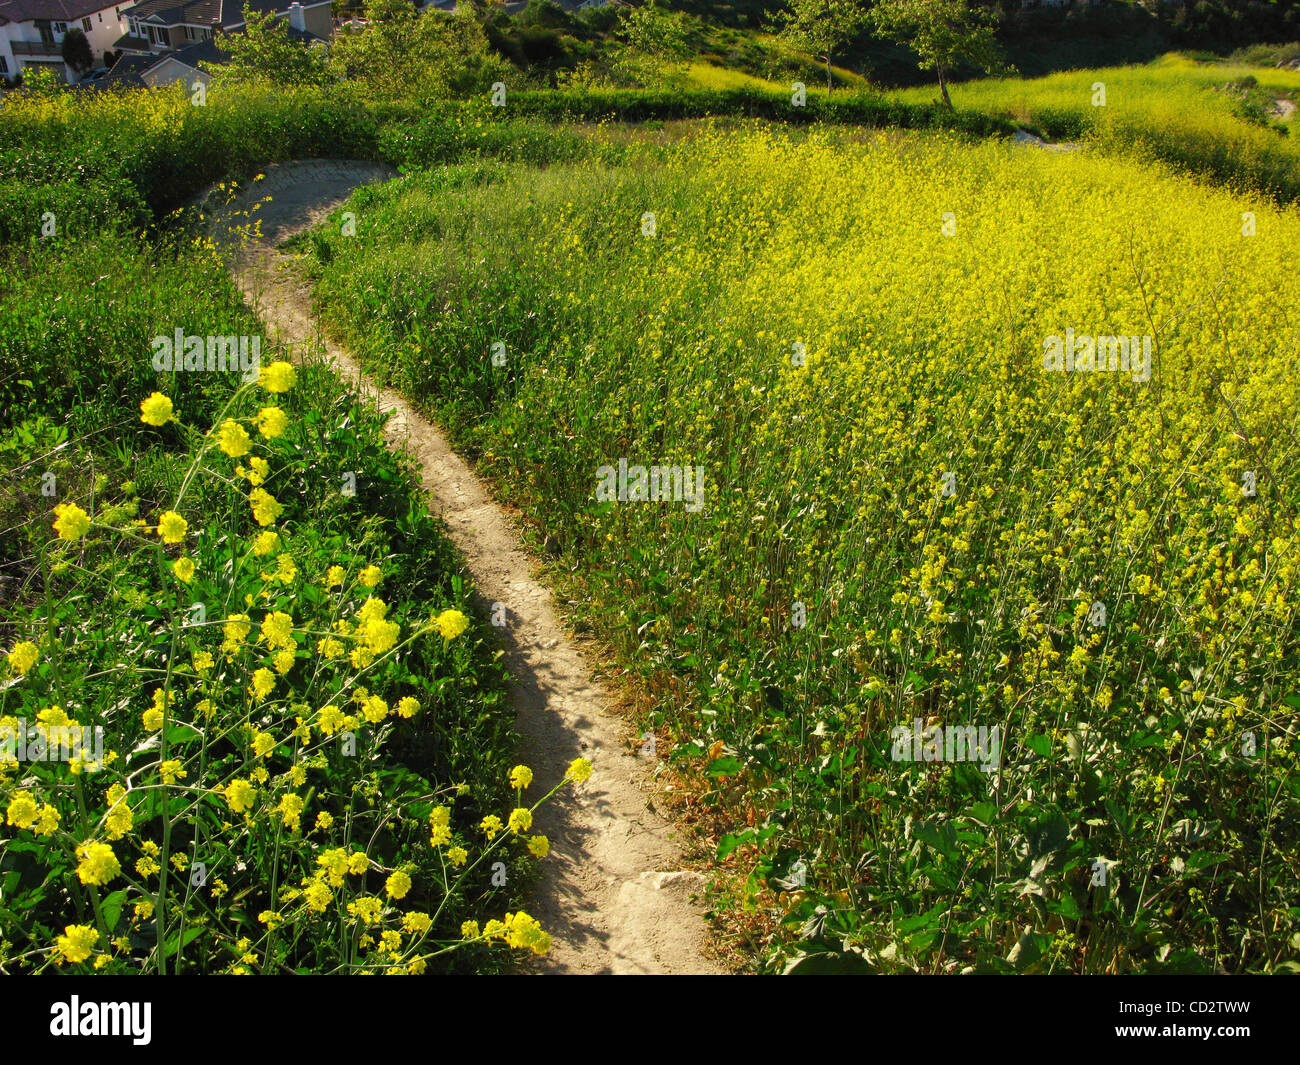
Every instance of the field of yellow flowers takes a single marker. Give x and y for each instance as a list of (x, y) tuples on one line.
[(929, 502), (247, 722)]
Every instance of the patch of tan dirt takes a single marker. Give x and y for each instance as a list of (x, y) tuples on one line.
[(1032, 140)]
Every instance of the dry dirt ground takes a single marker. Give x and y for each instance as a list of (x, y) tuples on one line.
[(1032, 140), (613, 894)]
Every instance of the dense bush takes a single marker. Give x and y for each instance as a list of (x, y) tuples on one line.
[(157, 148), (864, 109)]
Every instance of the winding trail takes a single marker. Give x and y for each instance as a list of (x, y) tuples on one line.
[(1032, 140), (612, 893)]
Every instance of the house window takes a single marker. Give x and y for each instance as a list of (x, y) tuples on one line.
[(4, 65), (100, 16), (60, 27), (85, 24)]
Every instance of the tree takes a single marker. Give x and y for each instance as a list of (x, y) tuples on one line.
[(654, 42), (821, 27), (266, 52), (943, 33), (76, 51), (547, 14), (543, 49), (481, 10), (404, 53)]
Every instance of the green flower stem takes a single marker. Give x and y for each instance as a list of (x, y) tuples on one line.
[(160, 912)]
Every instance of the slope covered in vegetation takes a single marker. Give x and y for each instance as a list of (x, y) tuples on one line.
[(906, 520)]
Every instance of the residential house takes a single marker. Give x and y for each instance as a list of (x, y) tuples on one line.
[(173, 40), (515, 7), (32, 32), (157, 26), (154, 70)]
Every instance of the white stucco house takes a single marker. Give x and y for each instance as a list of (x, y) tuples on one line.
[(32, 32)]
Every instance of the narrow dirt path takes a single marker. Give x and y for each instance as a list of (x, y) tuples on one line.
[(1032, 140), (613, 895)]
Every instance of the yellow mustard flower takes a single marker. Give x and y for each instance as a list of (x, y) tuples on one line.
[(70, 521), (23, 657), (156, 409), (277, 377), (171, 527)]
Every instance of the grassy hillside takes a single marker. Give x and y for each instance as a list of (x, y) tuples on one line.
[(1037, 41), (907, 521), (905, 517), (1218, 120), (741, 36)]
